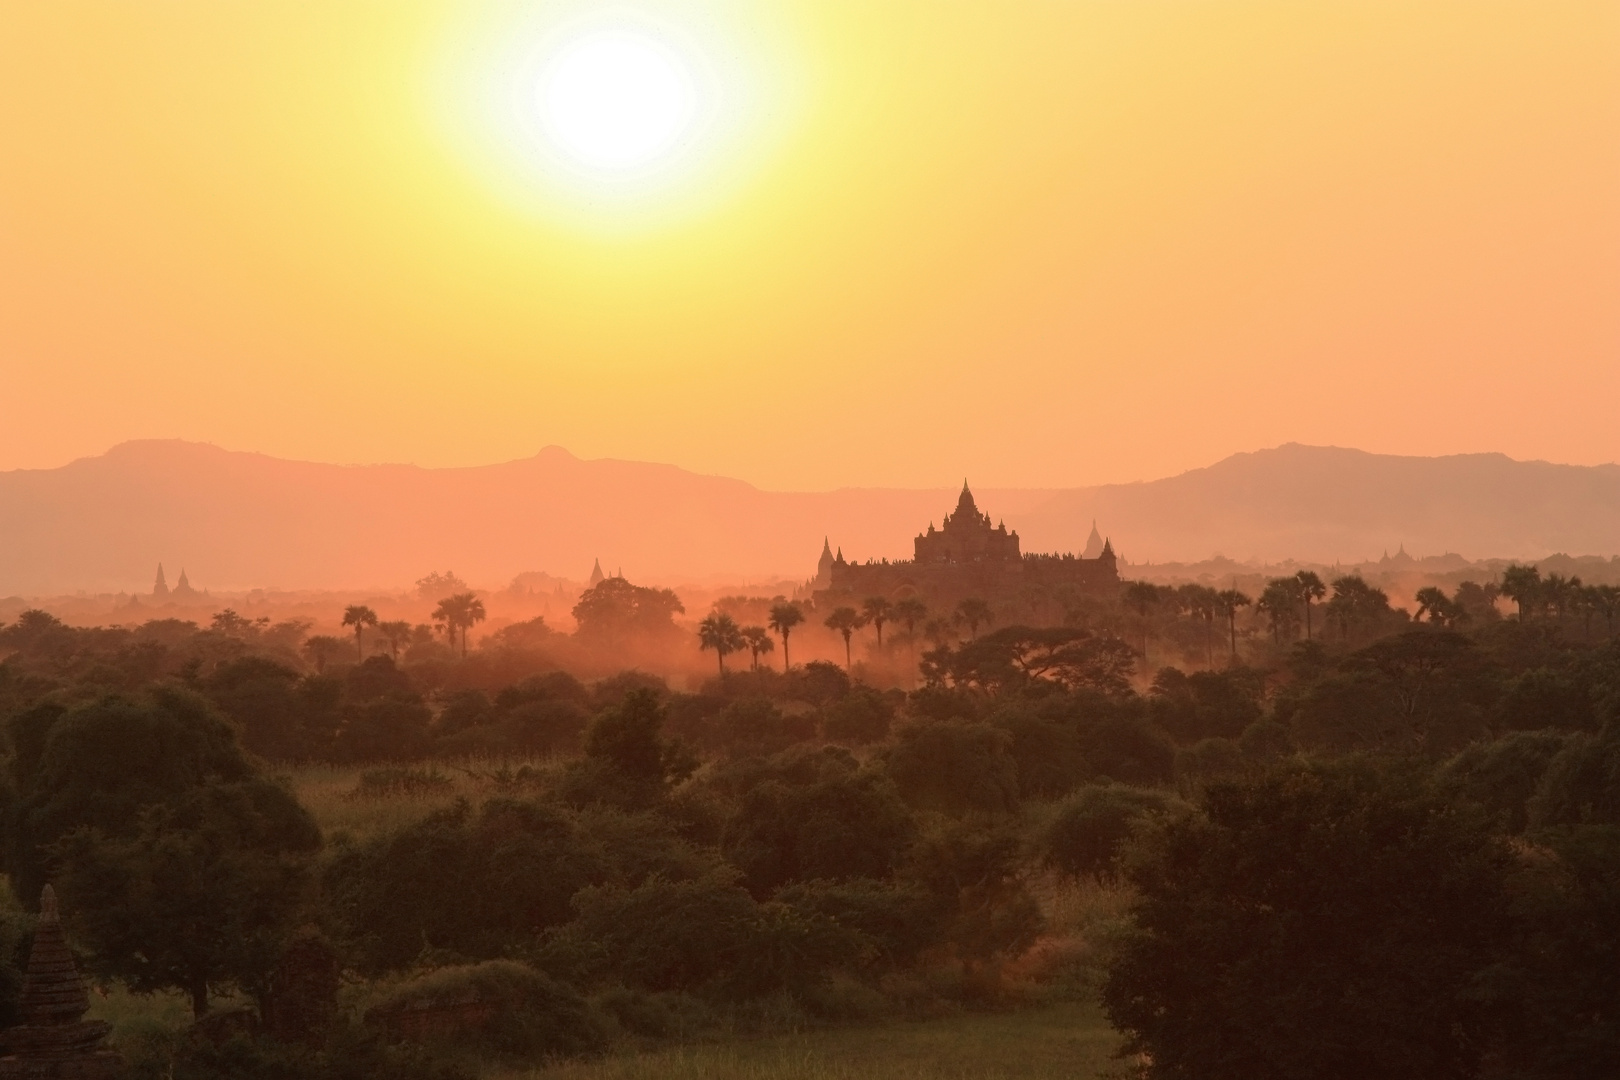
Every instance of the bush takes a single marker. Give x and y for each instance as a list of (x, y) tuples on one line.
[(954, 767), (477, 886), (755, 726), (1128, 748), (862, 716), (1543, 698), (838, 827), (660, 934), (1504, 774), (1582, 783), (1209, 759), (1090, 827), (1050, 759), (499, 1005), (1331, 923)]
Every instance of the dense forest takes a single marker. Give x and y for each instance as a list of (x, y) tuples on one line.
[(1366, 844)]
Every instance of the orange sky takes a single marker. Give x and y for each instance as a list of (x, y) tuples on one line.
[(1037, 243)]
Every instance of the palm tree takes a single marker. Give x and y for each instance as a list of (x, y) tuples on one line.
[(459, 612), (845, 620), (1280, 602), (756, 639), (973, 612), (1310, 588), (1433, 602), (784, 617), (909, 611), (939, 631), (877, 610), (1227, 602), (721, 633), (1585, 603), (1606, 598), (1200, 602), (1522, 585), (1142, 597), (359, 616), (395, 634), (322, 648)]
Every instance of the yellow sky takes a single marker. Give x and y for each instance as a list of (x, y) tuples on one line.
[(1033, 243)]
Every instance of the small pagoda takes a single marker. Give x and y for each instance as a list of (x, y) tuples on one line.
[(54, 1041)]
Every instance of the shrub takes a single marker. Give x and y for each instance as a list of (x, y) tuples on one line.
[(476, 886), (1332, 923), (1127, 748), (954, 767), (1091, 826), (845, 826), (1208, 759), (499, 1004), (1503, 775), (1582, 783), (1050, 759), (862, 716)]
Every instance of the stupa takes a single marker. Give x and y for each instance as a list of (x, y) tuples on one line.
[(54, 1040)]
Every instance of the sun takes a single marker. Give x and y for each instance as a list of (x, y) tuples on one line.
[(616, 118), (617, 101)]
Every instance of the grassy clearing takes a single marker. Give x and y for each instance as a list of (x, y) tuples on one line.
[(1068, 1040), (333, 793)]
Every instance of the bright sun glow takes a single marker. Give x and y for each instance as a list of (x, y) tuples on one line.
[(621, 117), (617, 101)]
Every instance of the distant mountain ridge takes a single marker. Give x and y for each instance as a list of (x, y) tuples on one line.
[(240, 520)]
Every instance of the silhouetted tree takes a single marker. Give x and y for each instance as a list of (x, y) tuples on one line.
[(1142, 597), (614, 609), (395, 634), (1335, 923), (973, 613), (909, 611), (721, 633), (1200, 601), (845, 620), (1440, 608), (1606, 599), (320, 649), (1310, 588), (1279, 600), (877, 610), (1227, 603), (202, 895), (1523, 585), (757, 640), (784, 617), (1356, 605), (459, 612), (437, 586), (359, 616)]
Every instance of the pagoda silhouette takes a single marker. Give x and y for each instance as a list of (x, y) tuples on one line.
[(54, 1041)]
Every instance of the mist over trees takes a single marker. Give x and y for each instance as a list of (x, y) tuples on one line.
[(1313, 834)]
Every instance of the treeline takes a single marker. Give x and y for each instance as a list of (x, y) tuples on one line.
[(1385, 856)]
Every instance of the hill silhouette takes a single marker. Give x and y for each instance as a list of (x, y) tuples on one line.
[(239, 520)]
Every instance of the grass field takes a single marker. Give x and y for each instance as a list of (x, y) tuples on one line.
[(1068, 1040), (333, 794)]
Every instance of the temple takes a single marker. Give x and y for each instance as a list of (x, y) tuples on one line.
[(968, 556), (53, 1041)]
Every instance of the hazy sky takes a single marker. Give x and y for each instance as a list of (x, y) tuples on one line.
[(894, 242)]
